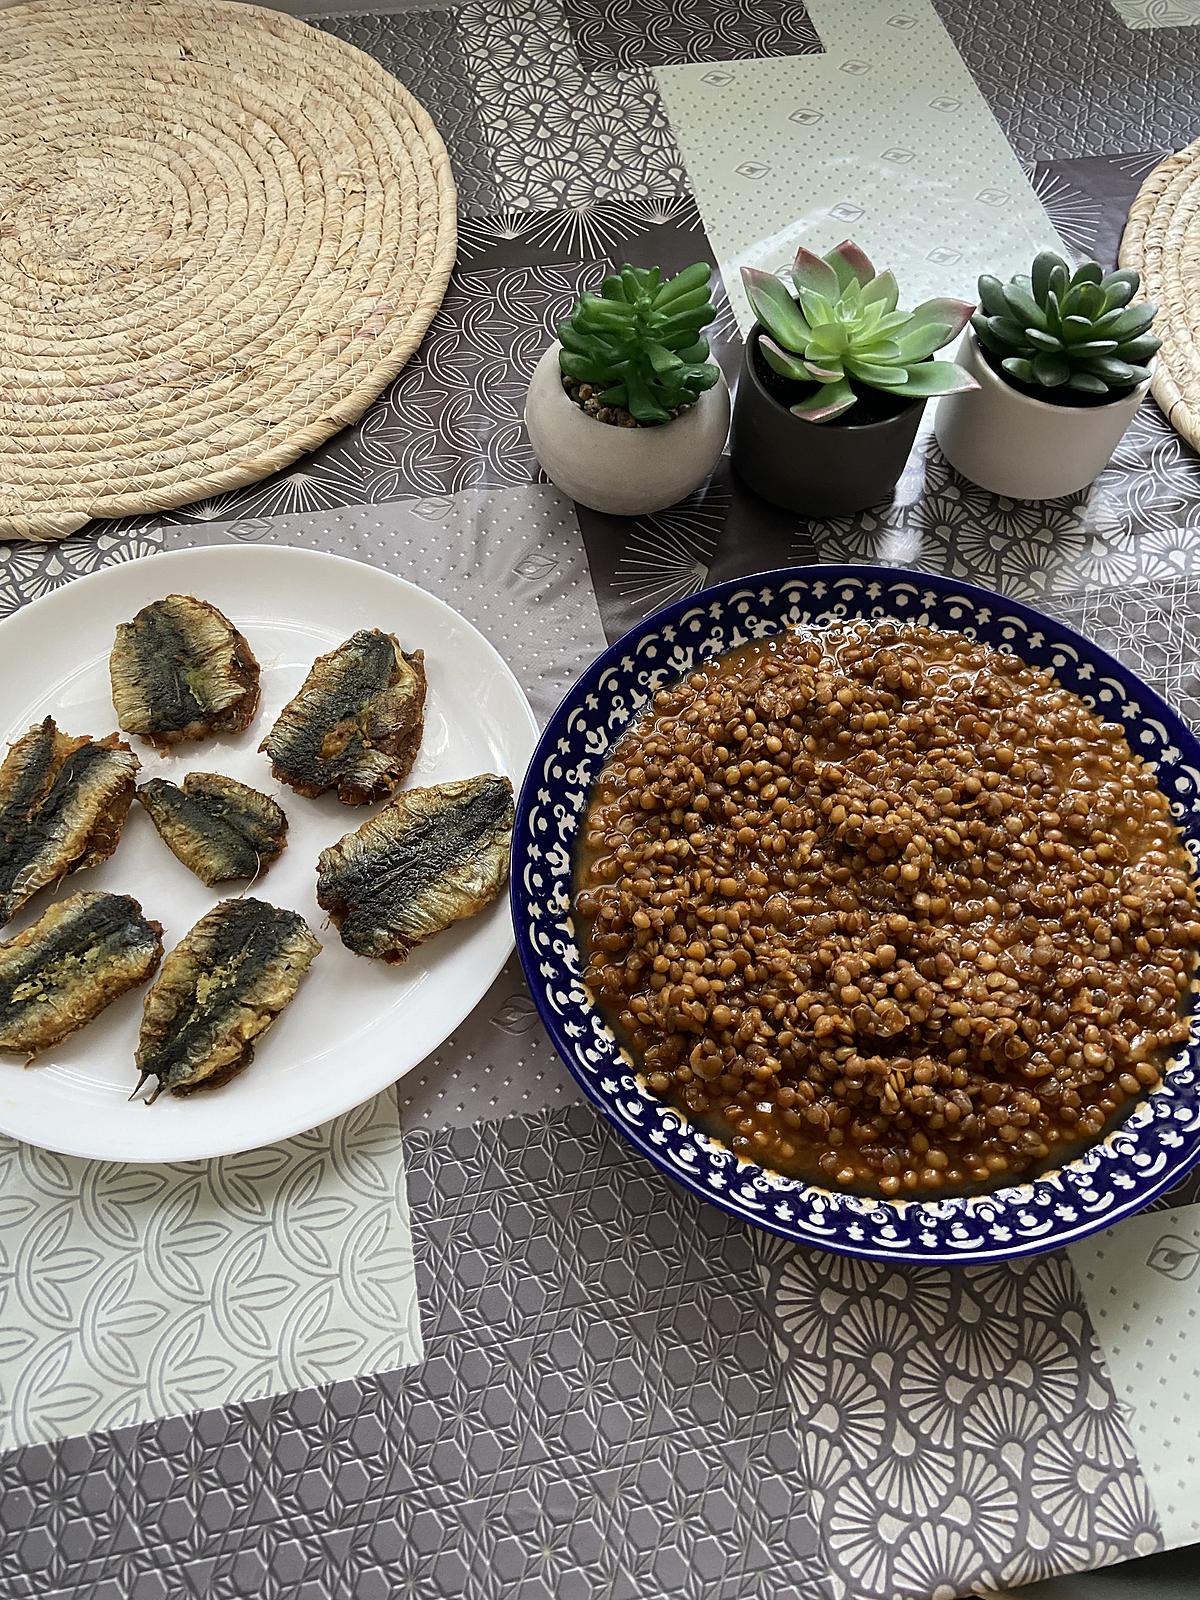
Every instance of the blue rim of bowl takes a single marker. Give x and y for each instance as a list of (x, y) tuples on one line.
[(829, 575)]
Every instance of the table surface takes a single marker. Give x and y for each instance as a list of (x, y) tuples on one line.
[(463, 1342)]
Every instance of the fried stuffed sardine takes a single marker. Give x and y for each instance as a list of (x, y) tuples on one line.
[(63, 803), (217, 827), (355, 724), (427, 860), (78, 957), (222, 985), (181, 670)]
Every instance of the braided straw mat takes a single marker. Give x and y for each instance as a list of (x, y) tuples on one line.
[(222, 233), (1162, 240)]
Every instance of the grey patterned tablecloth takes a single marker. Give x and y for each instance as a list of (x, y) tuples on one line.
[(463, 1343)]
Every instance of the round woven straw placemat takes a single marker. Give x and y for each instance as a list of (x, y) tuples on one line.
[(222, 232), (1162, 240)]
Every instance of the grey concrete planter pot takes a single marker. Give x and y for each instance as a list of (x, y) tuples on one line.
[(627, 472), (819, 468), (1023, 448)]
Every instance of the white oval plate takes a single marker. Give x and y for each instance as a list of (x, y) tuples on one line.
[(356, 1025)]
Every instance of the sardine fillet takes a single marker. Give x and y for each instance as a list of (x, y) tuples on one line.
[(181, 670), (355, 724), (63, 803), (429, 859), (217, 827), (77, 958), (222, 985)]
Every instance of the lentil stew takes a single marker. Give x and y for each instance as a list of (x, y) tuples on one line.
[(887, 909)]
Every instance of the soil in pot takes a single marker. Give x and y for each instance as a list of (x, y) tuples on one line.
[(1069, 399), (872, 405)]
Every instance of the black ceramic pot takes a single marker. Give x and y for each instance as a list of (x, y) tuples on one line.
[(823, 469)]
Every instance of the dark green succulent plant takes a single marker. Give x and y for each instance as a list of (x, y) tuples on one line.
[(1058, 329), (638, 342)]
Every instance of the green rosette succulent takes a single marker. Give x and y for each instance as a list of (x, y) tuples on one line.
[(837, 326), (638, 342), (1057, 329)]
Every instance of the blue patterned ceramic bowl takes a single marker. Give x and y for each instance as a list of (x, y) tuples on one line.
[(1149, 1153)]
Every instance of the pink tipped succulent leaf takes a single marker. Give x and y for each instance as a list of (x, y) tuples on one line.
[(828, 370), (829, 401), (955, 314), (775, 308), (850, 264), (782, 361), (810, 272), (846, 326), (932, 378)]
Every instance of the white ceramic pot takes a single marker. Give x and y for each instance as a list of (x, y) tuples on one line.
[(1023, 448), (623, 471)]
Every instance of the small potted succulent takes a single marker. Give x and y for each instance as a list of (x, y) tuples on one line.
[(625, 412), (1063, 362), (835, 380)]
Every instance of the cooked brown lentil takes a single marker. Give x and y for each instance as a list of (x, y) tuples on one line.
[(887, 908)]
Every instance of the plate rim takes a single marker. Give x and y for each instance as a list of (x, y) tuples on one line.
[(829, 573), (231, 554)]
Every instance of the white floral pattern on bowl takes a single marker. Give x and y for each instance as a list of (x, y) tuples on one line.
[(1156, 1145)]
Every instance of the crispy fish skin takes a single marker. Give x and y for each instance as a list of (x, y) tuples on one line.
[(63, 803), (427, 860), (222, 985), (78, 957), (28, 772), (355, 724), (181, 670), (218, 828)]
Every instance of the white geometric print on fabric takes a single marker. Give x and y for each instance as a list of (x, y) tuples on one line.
[(581, 233), (559, 137), (667, 554), (1074, 215), (1138, 523), (454, 419), (1155, 629), (131, 1292), (624, 33), (957, 1429), (500, 556), (1158, 13), (807, 149), (498, 1063), (1142, 1286), (29, 569)]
